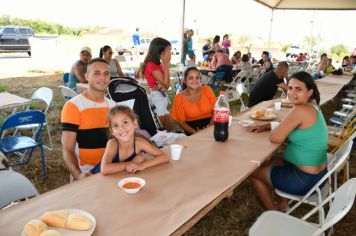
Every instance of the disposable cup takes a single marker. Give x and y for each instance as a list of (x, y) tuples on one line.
[(230, 120), (277, 106), (176, 150)]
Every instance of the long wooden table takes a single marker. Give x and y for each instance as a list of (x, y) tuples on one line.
[(174, 195), (331, 85)]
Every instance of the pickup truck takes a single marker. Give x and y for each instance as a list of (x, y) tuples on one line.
[(15, 39)]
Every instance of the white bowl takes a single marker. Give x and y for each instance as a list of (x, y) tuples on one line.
[(122, 182), (245, 123)]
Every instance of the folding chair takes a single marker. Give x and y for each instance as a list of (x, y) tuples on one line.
[(14, 187), (319, 192), (46, 95), (275, 223), (67, 92), (214, 81), (12, 144)]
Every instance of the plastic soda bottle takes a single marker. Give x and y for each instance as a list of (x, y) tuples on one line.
[(221, 118)]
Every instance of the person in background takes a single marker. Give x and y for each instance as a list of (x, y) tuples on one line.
[(136, 37), (321, 68), (329, 66), (114, 66), (266, 87), (267, 64), (191, 53), (216, 43), (206, 49), (251, 58), (353, 61), (193, 107), (346, 64), (226, 43), (244, 63), (222, 63), (236, 58), (264, 58), (300, 57), (305, 157), (84, 122), (156, 71), (123, 149), (79, 68)]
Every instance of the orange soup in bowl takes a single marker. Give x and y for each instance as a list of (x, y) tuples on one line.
[(131, 185)]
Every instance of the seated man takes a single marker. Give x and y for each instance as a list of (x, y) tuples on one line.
[(266, 87), (222, 63), (84, 122), (79, 68)]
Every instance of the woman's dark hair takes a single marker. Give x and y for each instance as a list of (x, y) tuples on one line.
[(245, 58), (103, 49), (309, 82), (186, 72), (216, 39), (226, 36), (155, 50)]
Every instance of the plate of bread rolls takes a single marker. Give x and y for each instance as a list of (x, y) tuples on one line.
[(262, 114), (63, 222)]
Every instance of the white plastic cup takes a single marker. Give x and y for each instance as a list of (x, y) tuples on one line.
[(176, 150), (230, 120), (277, 106)]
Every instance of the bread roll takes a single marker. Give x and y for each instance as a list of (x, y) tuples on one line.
[(78, 222), (50, 232), (55, 218), (34, 228)]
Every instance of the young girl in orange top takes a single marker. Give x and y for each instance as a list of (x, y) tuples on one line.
[(193, 107), (122, 151)]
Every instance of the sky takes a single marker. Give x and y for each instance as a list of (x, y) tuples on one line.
[(206, 17)]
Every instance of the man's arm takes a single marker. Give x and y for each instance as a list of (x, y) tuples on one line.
[(69, 139), (78, 72), (283, 86)]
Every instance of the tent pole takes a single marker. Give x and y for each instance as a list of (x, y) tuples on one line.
[(182, 27), (270, 30)]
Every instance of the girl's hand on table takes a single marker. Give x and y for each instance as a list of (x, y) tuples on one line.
[(259, 128)]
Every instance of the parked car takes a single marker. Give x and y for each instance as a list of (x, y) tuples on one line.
[(293, 52), (15, 39)]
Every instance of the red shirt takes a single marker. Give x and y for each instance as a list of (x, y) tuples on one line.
[(150, 67)]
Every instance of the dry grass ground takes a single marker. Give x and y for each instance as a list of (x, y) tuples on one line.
[(233, 216)]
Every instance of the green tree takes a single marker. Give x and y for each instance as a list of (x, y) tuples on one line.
[(285, 47), (338, 51), (311, 42), (245, 41)]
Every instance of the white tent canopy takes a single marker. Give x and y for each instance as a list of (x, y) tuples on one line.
[(310, 4)]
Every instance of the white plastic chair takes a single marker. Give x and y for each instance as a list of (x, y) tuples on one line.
[(45, 94), (14, 186), (276, 223), (318, 192), (67, 92)]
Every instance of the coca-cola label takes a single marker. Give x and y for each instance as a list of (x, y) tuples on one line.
[(221, 116)]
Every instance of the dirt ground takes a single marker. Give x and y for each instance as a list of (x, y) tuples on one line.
[(233, 216)]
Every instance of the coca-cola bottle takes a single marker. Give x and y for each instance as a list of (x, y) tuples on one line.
[(221, 118)]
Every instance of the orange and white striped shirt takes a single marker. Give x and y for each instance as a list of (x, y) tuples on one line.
[(89, 120)]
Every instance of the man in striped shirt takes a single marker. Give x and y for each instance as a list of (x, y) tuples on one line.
[(84, 122)]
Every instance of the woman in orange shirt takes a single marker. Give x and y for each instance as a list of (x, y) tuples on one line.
[(193, 107)]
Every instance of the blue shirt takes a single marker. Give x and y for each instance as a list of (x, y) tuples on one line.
[(136, 38)]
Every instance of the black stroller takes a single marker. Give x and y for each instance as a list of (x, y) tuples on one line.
[(124, 89)]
